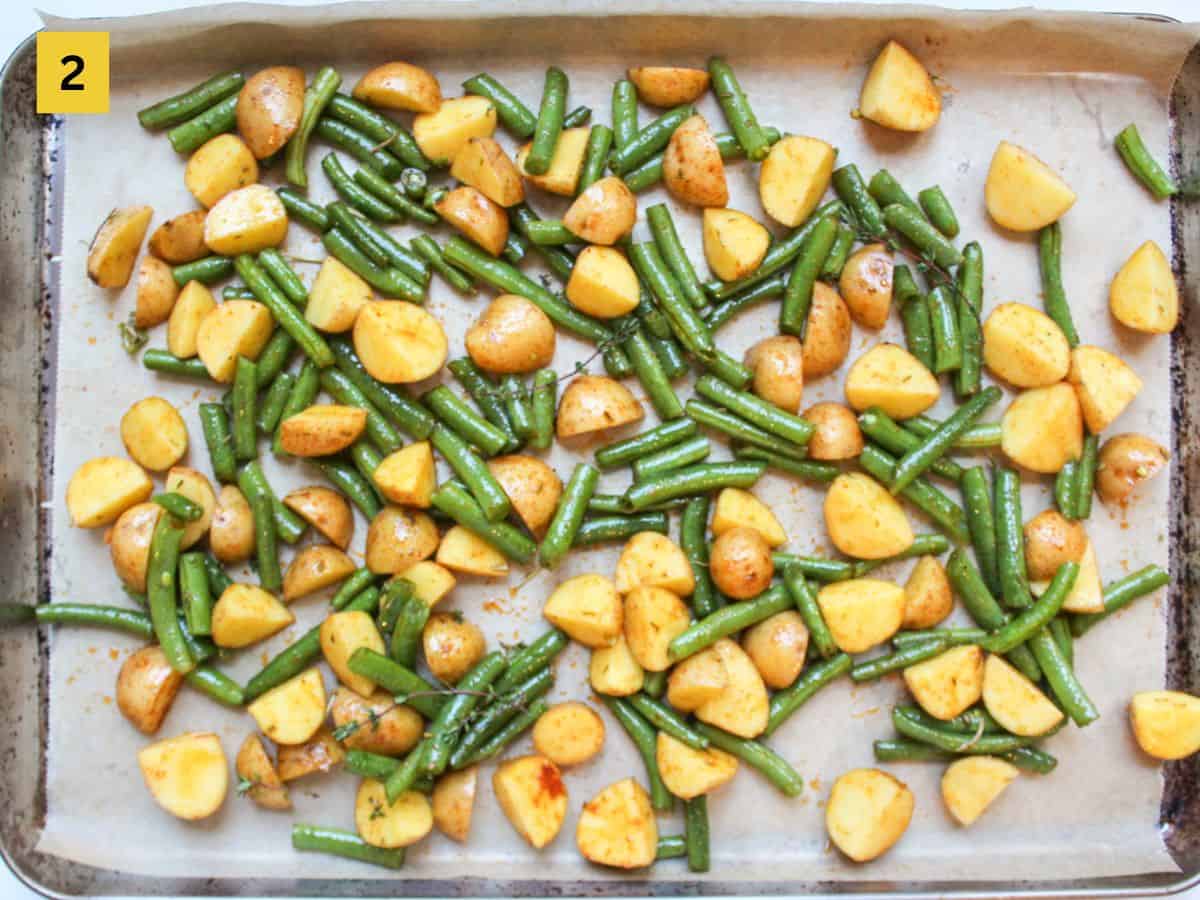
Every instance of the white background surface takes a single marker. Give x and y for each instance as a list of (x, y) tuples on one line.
[(18, 23)]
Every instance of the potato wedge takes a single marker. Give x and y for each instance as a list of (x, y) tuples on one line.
[(390, 825), (928, 599), (269, 108), (315, 567), (336, 297), (1087, 594), (229, 330), (1126, 460), (246, 614), (1042, 428), (861, 613), (1015, 702), (407, 476), (693, 170), (1106, 385), (837, 436), (453, 801), (778, 366), (431, 582), (1022, 193), (653, 618), (970, 785), (1166, 724), (483, 165), (196, 487), (949, 683), (866, 285), (689, 773), (734, 243), (777, 647), (613, 672), (737, 508), (1024, 346), (462, 550), (380, 725), (898, 92), (697, 680), (318, 755), (103, 488), (532, 486), (827, 340), (740, 563), (531, 792), (603, 283), (568, 734), (129, 544), (342, 633), (566, 165), (181, 239), (400, 85), (650, 559), (588, 608), (154, 434), (668, 85), (864, 520), (146, 688), (890, 377), (322, 430), (794, 177), (398, 342), (156, 293), (617, 827), (511, 337), (603, 213), (478, 218), (115, 247), (188, 775), (219, 166), (1143, 295), (441, 134), (741, 708), (257, 777), (452, 646), (594, 403), (191, 307), (292, 712), (399, 538), (325, 510), (1052, 539), (868, 811)]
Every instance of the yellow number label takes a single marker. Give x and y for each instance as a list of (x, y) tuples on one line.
[(72, 72)]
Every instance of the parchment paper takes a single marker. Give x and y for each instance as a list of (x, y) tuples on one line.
[(1061, 85)]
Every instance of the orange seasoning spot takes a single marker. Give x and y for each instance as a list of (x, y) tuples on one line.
[(550, 781)]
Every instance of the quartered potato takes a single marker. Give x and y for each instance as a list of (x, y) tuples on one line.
[(868, 811), (928, 599), (696, 680), (1015, 702), (129, 544), (483, 165), (115, 247), (398, 342), (321, 753), (736, 508), (1166, 724), (653, 618), (292, 712), (196, 487), (838, 435), (861, 613), (383, 727), (827, 339), (229, 330), (778, 366), (689, 773), (430, 581), (269, 108), (512, 336), (154, 434), (322, 430), (1042, 428), (650, 559), (734, 243), (479, 219), (866, 285), (949, 683), (595, 403), (187, 775), (255, 769), (568, 734), (1125, 461), (794, 177), (191, 307), (156, 293), (407, 476), (1105, 385), (397, 538), (1143, 295), (668, 85), (1087, 593), (566, 164), (103, 488), (390, 825), (617, 827), (693, 170), (325, 510), (219, 166), (181, 239), (1024, 346), (613, 672), (531, 792), (603, 213), (461, 550), (246, 614), (603, 283), (1052, 539), (452, 646), (1022, 193), (453, 801), (443, 133), (146, 688), (890, 377), (742, 706), (898, 92), (531, 486), (314, 568), (777, 646), (402, 86), (336, 297), (740, 563), (588, 608), (971, 784), (864, 520)]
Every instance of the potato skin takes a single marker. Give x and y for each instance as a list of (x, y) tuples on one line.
[(452, 646), (231, 533), (693, 171), (146, 688), (129, 544), (114, 249), (391, 729), (1051, 539), (866, 285), (568, 734), (398, 538), (399, 342), (533, 487), (838, 435), (864, 520), (740, 563), (511, 337), (156, 293), (1125, 461), (181, 239), (269, 108), (868, 811), (668, 85), (928, 599), (1024, 346), (595, 403), (322, 429), (477, 217), (400, 85), (778, 366), (1042, 429), (777, 646), (827, 340), (325, 510), (255, 766), (603, 213), (453, 801)]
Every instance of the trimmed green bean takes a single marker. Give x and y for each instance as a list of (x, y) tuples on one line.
[(429, 250), (693, 528), (595, 157), (194, 590), (922, 545), (968, 378), (920, 493), (839, 252), (758, 756), (531, 658), (577, 117), (275, 356), (406, 635), (977, 437), (517, 406), (653, 377), (549, 122), (271, 410), (1060, 630), (507, 706), (245, 396), (649, 173), (692, 450), (389, 281), (205, 270), (739, 429), (785, 702), (361, 580), (202, 128), (1143, 166), (403, 412), (625, 452), (473, 471), (218, 581), (219, 440), (695, 820), (316, 98), (947, 339), (1054, 298), (288, 526), (380, 131), (981, 522), (686, 324), (914, 313), (618, 527), (542, 409), (927, 239), (569, 515), (848, 184), (956, 741), (1120, 594), (265, 547), (398, 680), (938, 210), (443, 730), (275, 265), (877, 667), (757, 411), (760, 293), (950, 637), (727, 620), (161, 594), (649, 140), (559, 260), (887, 190), (797, 296), (809, 470), (895, 439), (384, 190), (1010, 539), (353, 484), (662, 227), (806, 604), (550, 233), (514, 114), (336, 842), (1037, 616), (1061, 678), (303, 210), (1066, 488), (672, 846), (459, 505), (289, 318), (455, 413), (645, 739), (162, 361), (930, 449), (509, 733), (183, 508), (1086, 482), (303, 393), (666, 720), (359, 145), (691, 480), (362, 200), (824, 570), (737, 109), (195, 100)]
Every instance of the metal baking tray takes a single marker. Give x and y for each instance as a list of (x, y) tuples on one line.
[(31, 187)]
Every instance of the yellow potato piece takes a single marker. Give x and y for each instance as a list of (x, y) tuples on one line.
[(898, 92), (156, 293), (397, 538), (1024, 346), (734, 243), (1143, 295), (1087, 594), (154, 434), (483, 164), (890, 377), (868, 811), (653, 618), (219, 166), (269, 108), (464, 551), (603, 283), (431, 582), (1042, 429), (696, 680), (1022, 193), (692, 167), (197, 488), (380, 725), (322, 430), (399, 343), (292, 712), (478, 218), (453, 801), (588, 608), (194, 303), (314, 568), (400, 85), (407, 476), (793, 178), (617, 827), (861, 613), (246, 220), (103, 488), (971, 784), (324, 509), (603, 213), (1166, 724), (336, 297), (949, 683), (864, 520), (246, 614), (442, 134), (1105, 386), (1015, 702), (653, 560), (568, 734), (342, 633), (595, 403), (613, 672), (188, 775), (565, 166), (737, 508), (928, 599), (114, 249), (532, 795), (181, 239), (146, 688), (129, 544), (255, 766), (668, 85), (319, 754), (391, 825), (742, 706), (689, 773), (229, 330)]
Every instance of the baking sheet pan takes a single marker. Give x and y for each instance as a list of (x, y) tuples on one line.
[(1072, 85)]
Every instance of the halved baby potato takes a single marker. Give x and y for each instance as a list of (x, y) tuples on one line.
[(864, 520), (794, 177), (483, 164), (837, 436), (103, 488), (613, 672), (734, 243), (441, 134), (566, 164), (827, 340), (478, 218), (532, 487), (928, 599), (188, 775), (594, 403), (971, 784), (617, 827), (315, 567), (949, 683), (114, 249), (778, 366), (191, 307), (196, 487), (452, 646), (696, 680), (1024, 346), (603, 213), (693, 170), (736, 508), (292, 712), (1143, 295), (398, 342), (219, 166), (229, 330), (868, 811), (398, 538), (568, 734), (321, 753), (532, 795), (890, 377), (390, 825), (668, 85), (257, 772), (430, 581), (322, 430), (1106, 385), (1127, 460), (402, 86), (1016, 702), (898, 92), (653, 618), (866, 285), (325, 510), (382, 726), (453, 802), (742, 706), (129, 544), (689, 773), (603, 283), (154, 434), (407, 476), (862, 612), (181, 239), (1042, 428), (650, 559), (1052, 539), (740, 563), (146, 688), (1022, 193), (461, 550), (777, 646), (337, 296), (269, 108), (246, 614), (156, 293), (1087, 593), (512, 336), (1166, 724), (588, 608)]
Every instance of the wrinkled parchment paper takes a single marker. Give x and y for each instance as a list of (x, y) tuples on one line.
[(1061, 85)]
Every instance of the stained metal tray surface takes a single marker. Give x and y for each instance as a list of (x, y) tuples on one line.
[(32, 154)]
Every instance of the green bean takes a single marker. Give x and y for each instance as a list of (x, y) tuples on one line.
[(265, 546), (542, 409), (336, 842), (1143, 166), (354, 195), (517, 406), (444, 727), (406, 635), (666, 237), (651, 374), (760, 293), (809, 470), (785, 702), (981, 521), (839, 252), (485, 393), (759, 756), (848, 184), (806, 604), (303, 210), (692, 531), (384, 250), (695, 820), (370, 765), (557, 259), (649, 173), (797, 297), (645, 739), (471, 469), (162, 361), (1061, 678), (737, 109), (275, 356), (359, 145), (288, 526), (1037, 616), (161, 593), (977, 437), (399, 680), (691, 480), (392, 599), (200, 648), (666, 720), (929, 449), (216, 685), (506, 707), (128, 621), (549, 122), (218, 581), (955, 741), (887, 190), (303, 392), (922, 545), (288, 317), (654, 684), (927, 239), (905, 750), (1060, 630), (770, 418), (219, 441), (275, 265), (549, 233), (892, 437), (351, 483), (671, 847), (921, 494), (649, 140), (595, 156), (390, 281), (824, 570), (970, 304), (728, 620), (194, 589), (950, 637), (431, 252), (938, 210), (914, 313), (624, 113), (316, 98), (202, 128), (983, 608), (738, 428), (577, 117), (614, 504), (388, 193), (1085, 483), (1066, 488), (400, 410), (455, 413), (1010, 540), (205, 270), (181, 107), (179, 506), (947, 339), (877, 667), (692, 450), (271, 409), (360, 581), (625, 452), (462, 508), (569, 514), (618, 527), (1120, 594), (380, 131), (531, 658), (509, 733), (515, 115), (686, 323), (245, 395), (406, 775)]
